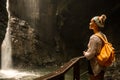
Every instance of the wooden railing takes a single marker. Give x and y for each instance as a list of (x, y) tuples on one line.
[(59, 74)]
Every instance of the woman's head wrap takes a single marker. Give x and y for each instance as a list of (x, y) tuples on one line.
[(100, 20)]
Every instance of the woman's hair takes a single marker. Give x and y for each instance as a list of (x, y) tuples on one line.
[(100, 20)]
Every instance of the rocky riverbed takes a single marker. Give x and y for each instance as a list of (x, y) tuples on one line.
[(113, 72)]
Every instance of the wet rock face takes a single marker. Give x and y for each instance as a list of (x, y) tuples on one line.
[(31, 44), (27, 49), (23, 39), (22, 36)]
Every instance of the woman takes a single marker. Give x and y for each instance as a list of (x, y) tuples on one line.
[(96, 72)]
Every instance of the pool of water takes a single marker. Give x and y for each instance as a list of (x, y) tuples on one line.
[(17, 75), (30, 74), (24, 74)]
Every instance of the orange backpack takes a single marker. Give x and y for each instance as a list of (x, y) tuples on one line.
[(106, 56)]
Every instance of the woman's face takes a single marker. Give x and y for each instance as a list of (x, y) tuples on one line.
[(92, 24)]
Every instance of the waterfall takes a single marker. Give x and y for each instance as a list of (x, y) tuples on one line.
[(6, 48), (6, 51)]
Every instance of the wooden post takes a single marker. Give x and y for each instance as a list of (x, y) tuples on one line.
[(76, 71)]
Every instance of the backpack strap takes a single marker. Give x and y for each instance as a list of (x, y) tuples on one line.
[(101, 37)]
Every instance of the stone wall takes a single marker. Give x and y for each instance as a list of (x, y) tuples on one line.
[(53, 31)]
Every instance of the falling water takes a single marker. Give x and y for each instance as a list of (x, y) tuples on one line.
[(6, 51), (7, 70), (6, 48)]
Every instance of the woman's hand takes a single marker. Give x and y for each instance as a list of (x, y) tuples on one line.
[(84, 53)]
